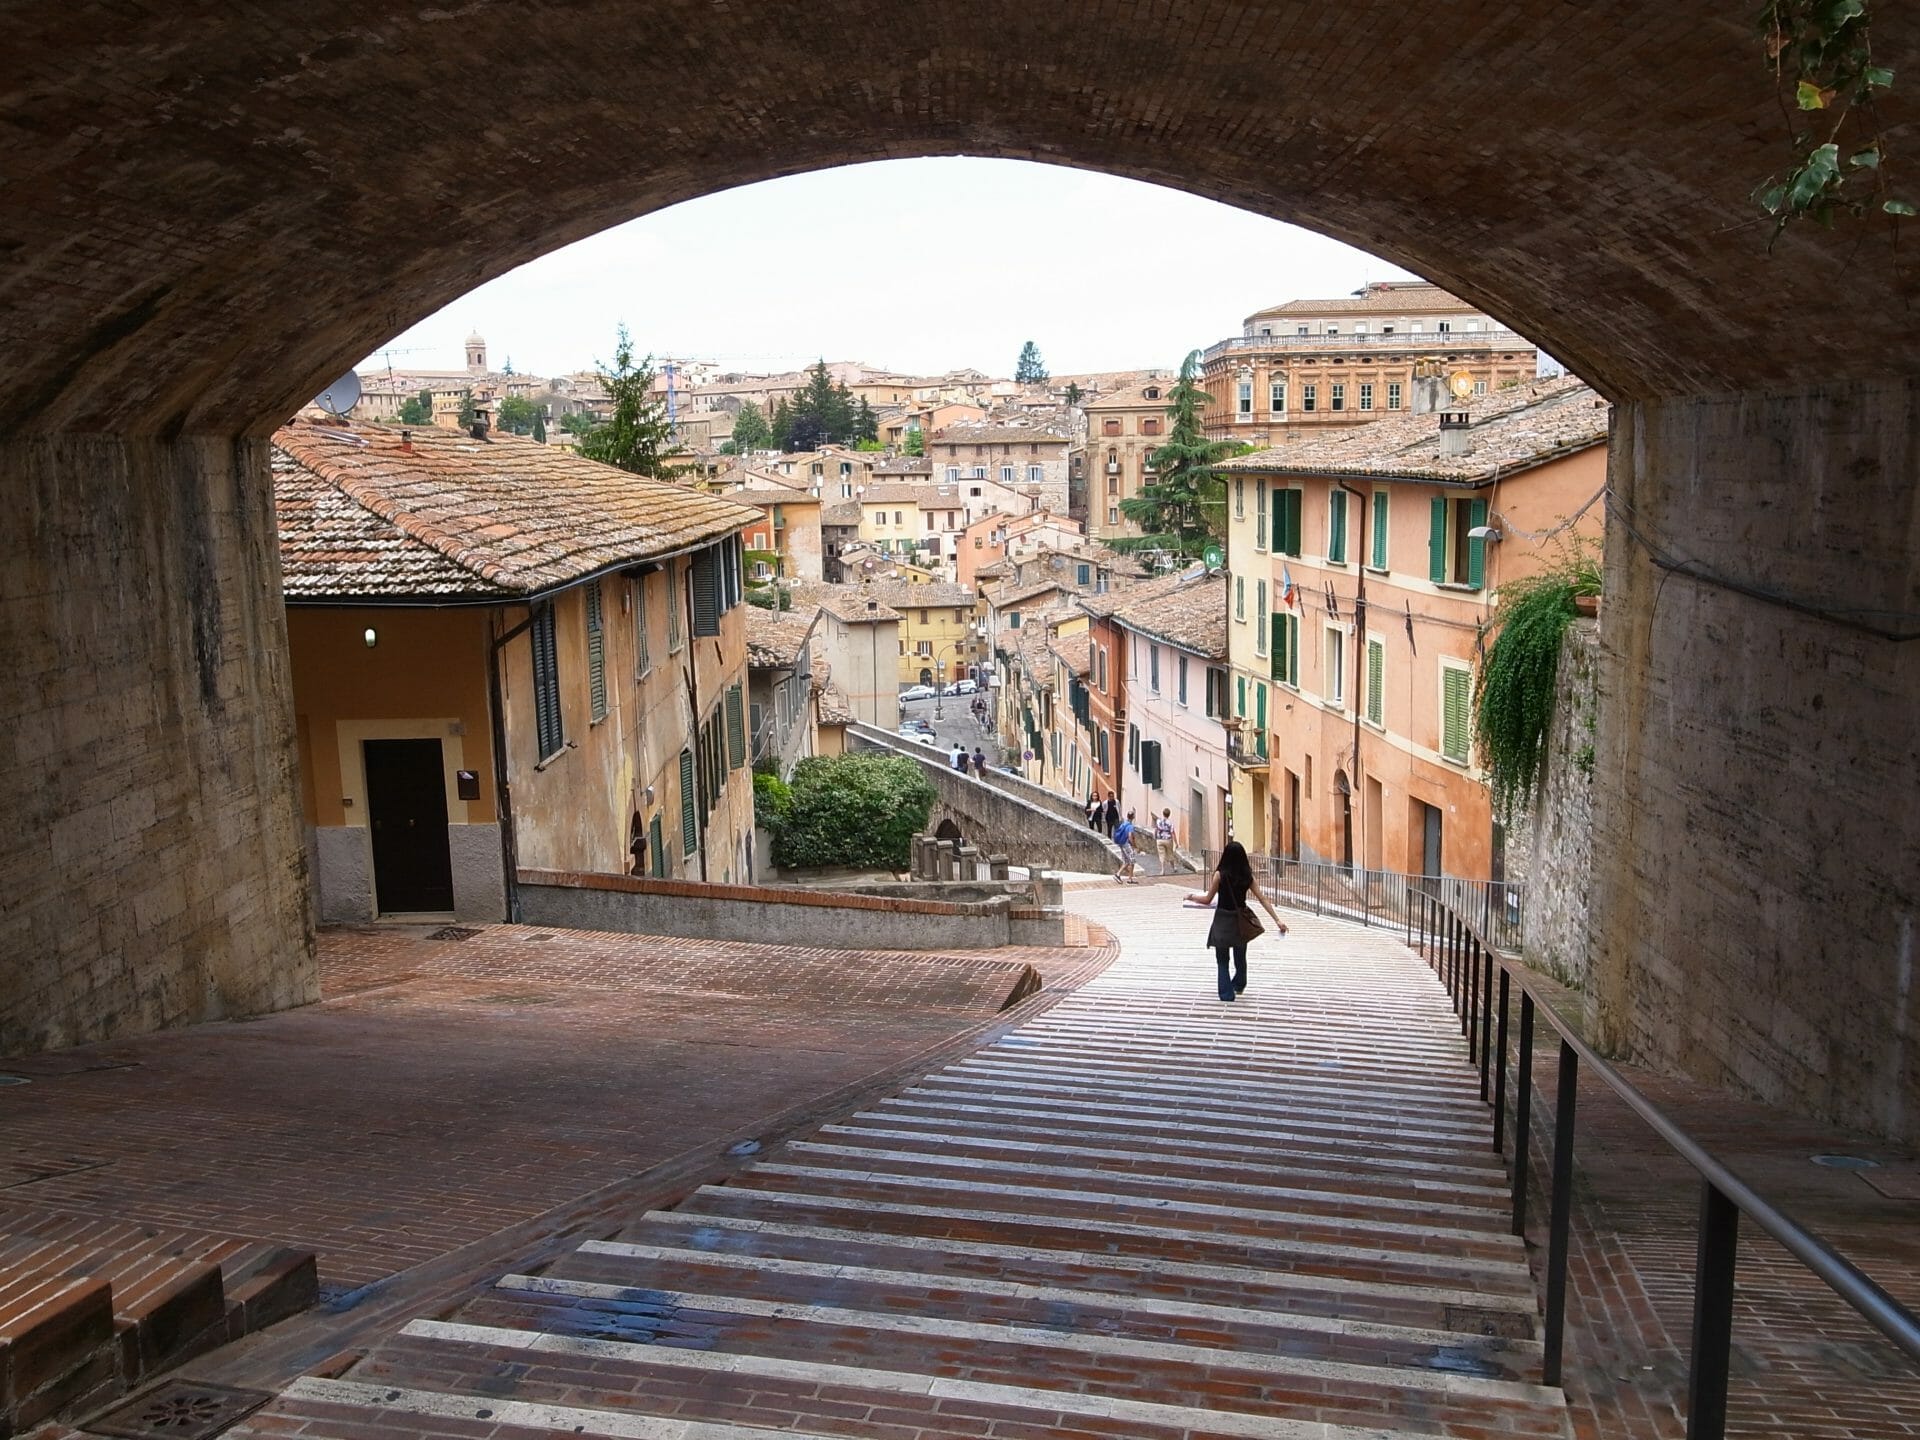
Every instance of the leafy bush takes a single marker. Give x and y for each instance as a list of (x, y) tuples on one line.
[(772, 801), (858, 809), (1519, 672)]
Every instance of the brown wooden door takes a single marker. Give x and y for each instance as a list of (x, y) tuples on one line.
[(407, 811)]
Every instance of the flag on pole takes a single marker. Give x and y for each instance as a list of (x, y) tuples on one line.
[(1289, 592)]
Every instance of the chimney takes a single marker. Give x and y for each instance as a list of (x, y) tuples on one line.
[(406, 442), (1455, 437), (1429, 390), (481, 419)]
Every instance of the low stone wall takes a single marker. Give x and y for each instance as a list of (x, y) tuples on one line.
[(1556, 839), (759, 914), (1003, 814)]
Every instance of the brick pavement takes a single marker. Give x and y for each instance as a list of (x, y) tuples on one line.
[(445, 1090)]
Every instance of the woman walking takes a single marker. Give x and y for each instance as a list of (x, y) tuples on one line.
[(1232, 883)]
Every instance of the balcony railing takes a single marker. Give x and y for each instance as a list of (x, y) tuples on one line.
[(1445, 342)]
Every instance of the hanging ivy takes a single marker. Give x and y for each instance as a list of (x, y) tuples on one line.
[(1519, 673), (1823, 66)]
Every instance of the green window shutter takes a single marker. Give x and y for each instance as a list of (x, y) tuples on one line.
[(1292, 518), (549, 730), (1380, 530), (689, 818), (1376, 678), (1437, 542), (1278, 624), (1133, 746), (1457, 696), (736, 730), (1337, 525), (1260, 706), (656, 849), (1277, 530), (707, 583), (596, 654), (1476, 549), (1240, 696)]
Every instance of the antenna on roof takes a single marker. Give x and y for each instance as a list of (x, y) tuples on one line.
[(341, 396)]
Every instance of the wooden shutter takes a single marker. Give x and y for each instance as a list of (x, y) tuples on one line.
[(1133, 746), (1456, 697), (1476, 549), (736, 731), (596, 654), (1240, 696), (1380, 530), (1376, 678), (1286, 521), (1293, 649), (1337, 525), (689, 816), (1277, 622), (1437, 541), (656, 848), (706, 591), (1260, 706), (549, 731)]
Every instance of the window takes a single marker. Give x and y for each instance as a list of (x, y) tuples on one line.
[(1239, 498), (1133, 746), (689, 815), (1379, 529), (1100, 669), (1337, 528), (1338, 396), (1150, 426), (1110, 427), (1105, 760), (897, 517), (1035, 474), (1153, 668), (1286, 648), (1393, 395), (1334, 683), (1286, 521), (736, 730), (1277, 397), (706, 591), (1376, 681), (642, 657), (1444, 327), (1083, 574), (1246, 398), (1260, 608), (1454, 555), (1479, 387), (1013, 619), (953, 473), (1456, 711), (1150, 763), (1333, 329), (1299, 329), (1240, 598), (596, 656), (1113, 514), (923, 648), (1260, 515), (1216, 692), (1240, 696), (1366, 395), (675, 634), (1309, 397), (656, 849), (1180, 671), (548, 730), (1006, 474)]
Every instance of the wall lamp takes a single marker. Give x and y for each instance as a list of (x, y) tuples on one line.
[(371, 636), (1486, 532)]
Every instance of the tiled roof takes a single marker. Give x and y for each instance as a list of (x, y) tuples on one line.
[(775, 638), (904, 465), (904, 493), (841, 512), (845, 601), (834, 707), (1076, 651), (1406, 299), (1134, 397), (1018, 595), (903, 594), (1190, 613), (1510, 430), (760, 492), (457, 518), (986, 432)]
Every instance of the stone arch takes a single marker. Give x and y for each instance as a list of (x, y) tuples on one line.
[(209, 214)]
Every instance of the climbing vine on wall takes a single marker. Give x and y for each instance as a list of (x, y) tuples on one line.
[(1822, 57), (1520, 671)]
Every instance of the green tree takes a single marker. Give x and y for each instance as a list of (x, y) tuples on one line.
[(1184, 508), (579, 424), (856, 809), (1029, 370), (750, 430), (866, 424), (517, 415), (636, 437), (915, 442), (781, 425), (418, 410), (1073, 393), (468, 411)]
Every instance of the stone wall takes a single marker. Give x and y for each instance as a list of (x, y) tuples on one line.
[(996, 819), (152, 865), (1555, 840), (1757, 809)]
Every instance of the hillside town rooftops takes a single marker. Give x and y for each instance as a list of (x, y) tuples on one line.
[(777, 639), (1189, 613), (846, 603), (364, 514), (908, 595), (1509, 430), (1074, 651), (998, 432), (765, 492), (904, 465)]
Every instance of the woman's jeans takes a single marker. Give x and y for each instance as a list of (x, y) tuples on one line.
[(1231, 984)]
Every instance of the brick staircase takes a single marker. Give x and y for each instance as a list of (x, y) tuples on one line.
[(1144, 1214), (91, 1308)]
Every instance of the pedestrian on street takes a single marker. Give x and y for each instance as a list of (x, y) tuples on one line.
[(1110, 814), (958, 759), (1123, 837), (1094, 811), (979, 763), (1234, 923), (1163, 841)]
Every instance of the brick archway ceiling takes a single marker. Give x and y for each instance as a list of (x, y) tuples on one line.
[(210, 209)]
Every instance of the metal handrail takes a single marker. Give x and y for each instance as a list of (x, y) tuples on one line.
[(1468, 965)]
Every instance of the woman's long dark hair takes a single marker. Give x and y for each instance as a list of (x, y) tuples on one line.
[(1234, 867)]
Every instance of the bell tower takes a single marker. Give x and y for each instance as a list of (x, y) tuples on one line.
[(476, 354)]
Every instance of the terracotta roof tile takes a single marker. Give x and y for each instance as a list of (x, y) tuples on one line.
[(506, 517), (1190, 613), (775, 639), (845, 601)]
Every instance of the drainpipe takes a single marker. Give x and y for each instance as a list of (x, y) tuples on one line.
[(503, 794), (692, 672), (1359, 653)]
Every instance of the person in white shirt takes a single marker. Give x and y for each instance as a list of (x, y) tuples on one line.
[(1163, 841)]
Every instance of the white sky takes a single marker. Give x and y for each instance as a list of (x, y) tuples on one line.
[(915, 265)]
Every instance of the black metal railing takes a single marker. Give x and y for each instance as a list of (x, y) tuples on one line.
[(1384, 898), (1481, 979)]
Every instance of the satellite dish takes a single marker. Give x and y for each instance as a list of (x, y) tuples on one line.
[(1461, 384), (1212, 557), (341, 396)]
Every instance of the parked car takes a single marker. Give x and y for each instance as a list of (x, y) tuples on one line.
[(923, 737), (918, 727), (962, 687), (917, 692)]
